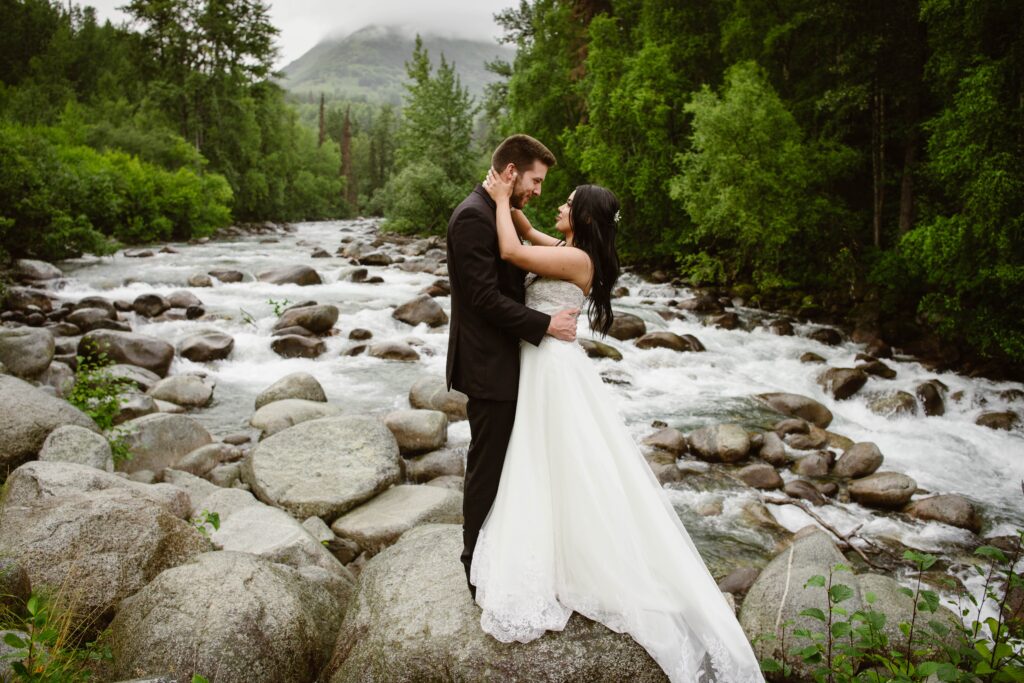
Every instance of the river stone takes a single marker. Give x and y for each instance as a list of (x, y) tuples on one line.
[(182, 298), (29, 269), (439, 463), (72, 443), (827, 336), (376, 524), (324, 467), (317, 319), (133, 405), (842, 383), (59, 376), (930, 394), (203, 459), (130, 348), (627, 326), (859, 460), (760, 475), (15, 587), (27, 416), (417, 431), (297, 346), (795, 405), (421, 310), (230, 616), (893, 404), (948, 508), (393, 351), (720, 443), (596, 349), (878, 369), (414, 593), (664, 340), (667, 439), (810, 357), (280, 415), (814, 438), (773, 450), (431, 393), (206, 346), (107, 544), (150, 304), (287, 275), (782, 328), (200, 280), (26, 351), (812, 465), (888, 490), (23, 298), (226, 275), (663, 465), (296, 385), (89, 318), (188, 391), (804, 490), (1005, 420), (141, 377), (159, 440)]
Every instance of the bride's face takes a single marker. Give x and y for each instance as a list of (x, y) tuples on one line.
[(563, 225)]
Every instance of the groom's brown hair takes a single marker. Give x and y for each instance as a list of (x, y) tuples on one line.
[(521, 150)]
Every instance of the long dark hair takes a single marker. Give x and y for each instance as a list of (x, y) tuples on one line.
[(592, 216)]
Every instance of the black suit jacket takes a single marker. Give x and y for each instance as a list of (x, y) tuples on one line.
[(488, 315)]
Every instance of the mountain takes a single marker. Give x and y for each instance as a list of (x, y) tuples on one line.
[(370, 64)]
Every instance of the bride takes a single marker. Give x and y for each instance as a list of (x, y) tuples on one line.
[(579, 522)]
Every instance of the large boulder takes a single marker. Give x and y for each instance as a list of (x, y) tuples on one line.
[(316, 318), (324, 467), (206, 346), (668, 439), (859, 460), (378, 523), (297, 346), (418, 431), (27, 416), (88, 319), (842, 382), (75, 444), (393, 351), (140, 377), (795, 405), (893, 404), (26, 351), (105, 544), (669, 340), (29, 269), (189, 391), (296, 385), (422, 309), (439, 463), (778, 597), (432, 393), (627, 326), (150, 305), (888, 490), (159, 440), (287, 275), (231, 617), (720, 443), (280, 415), (131, 348), (182, 298), (23, 298), (412, 619), (948, 508)]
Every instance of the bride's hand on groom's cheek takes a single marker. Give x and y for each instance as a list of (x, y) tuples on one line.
[(497, 187)]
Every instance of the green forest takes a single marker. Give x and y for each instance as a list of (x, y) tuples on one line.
[(862, 161)]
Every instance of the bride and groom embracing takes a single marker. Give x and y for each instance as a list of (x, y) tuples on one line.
[(562, 512)]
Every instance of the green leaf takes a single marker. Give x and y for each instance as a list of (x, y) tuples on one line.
[(814, 613), (991, 552), (816, 580), (929, 601), (840, 593), (14, 641)]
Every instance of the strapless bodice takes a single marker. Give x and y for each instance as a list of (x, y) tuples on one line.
[(550, 296)]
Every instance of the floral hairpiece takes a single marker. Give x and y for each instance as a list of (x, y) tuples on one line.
[(618, 214)]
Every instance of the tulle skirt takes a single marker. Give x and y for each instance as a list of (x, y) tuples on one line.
[(581, 524)]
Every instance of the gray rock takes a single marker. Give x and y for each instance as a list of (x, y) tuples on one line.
[(888, 490), (28, 269), (804, 490), (859, 460), (663, 465), (206, 346), (813, 439), (230, 616), (669, 440), (811, 357), (288, 275), (842, 382), (393, 351), (376, 524), (23, 298), (183, 298), (421, 310), (280, 415), (27, 416), (448, 481), (203, 459), (135, 405), (297, 346), (200, 280), (324, 467), (795, 405), (89, 318), (668, 340), (226, 474), (140, 377), (150, 305), (773, 450), (720, 443), (893, 404), (72, 443), (439, 463), (59, 376), (813, 464), (596, 349), (1005, 420), (948, 508), (318, 529), (627, 326), (431, 393), (296, 385), (15, 586), (414, 593), (130, 348), (417, 431), (739, 580), (761, 476), (159, 440), (317, 319), (26, 351), (188, 391), (227, 276)]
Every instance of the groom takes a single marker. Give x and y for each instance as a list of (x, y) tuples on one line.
[(488, 320)]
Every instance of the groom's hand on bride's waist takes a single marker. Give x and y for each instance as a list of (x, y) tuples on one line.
[(563, 324)]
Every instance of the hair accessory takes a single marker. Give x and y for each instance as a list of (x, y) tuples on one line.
[(618, 214)]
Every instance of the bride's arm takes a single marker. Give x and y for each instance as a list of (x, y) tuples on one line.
[(563, 264), (526, 231)]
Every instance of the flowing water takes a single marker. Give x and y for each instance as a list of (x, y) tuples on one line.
[(945, 454)]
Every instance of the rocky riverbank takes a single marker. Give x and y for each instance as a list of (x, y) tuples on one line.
[(301, 532)]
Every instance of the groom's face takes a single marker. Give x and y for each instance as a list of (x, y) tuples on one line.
[(528, 184)]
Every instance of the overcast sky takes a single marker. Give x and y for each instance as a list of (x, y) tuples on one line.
[(303, 23)]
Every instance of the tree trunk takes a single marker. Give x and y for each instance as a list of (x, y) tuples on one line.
[(346, 160), (323, 123)]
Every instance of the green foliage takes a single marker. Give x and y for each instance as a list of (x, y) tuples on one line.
[(279, 306), (205, 519), (420, 199), (100, 395), (752, 184)]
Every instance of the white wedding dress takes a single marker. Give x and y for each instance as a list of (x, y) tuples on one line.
[(581, 524)]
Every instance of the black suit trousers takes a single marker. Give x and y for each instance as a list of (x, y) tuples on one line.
[(490, 423)]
